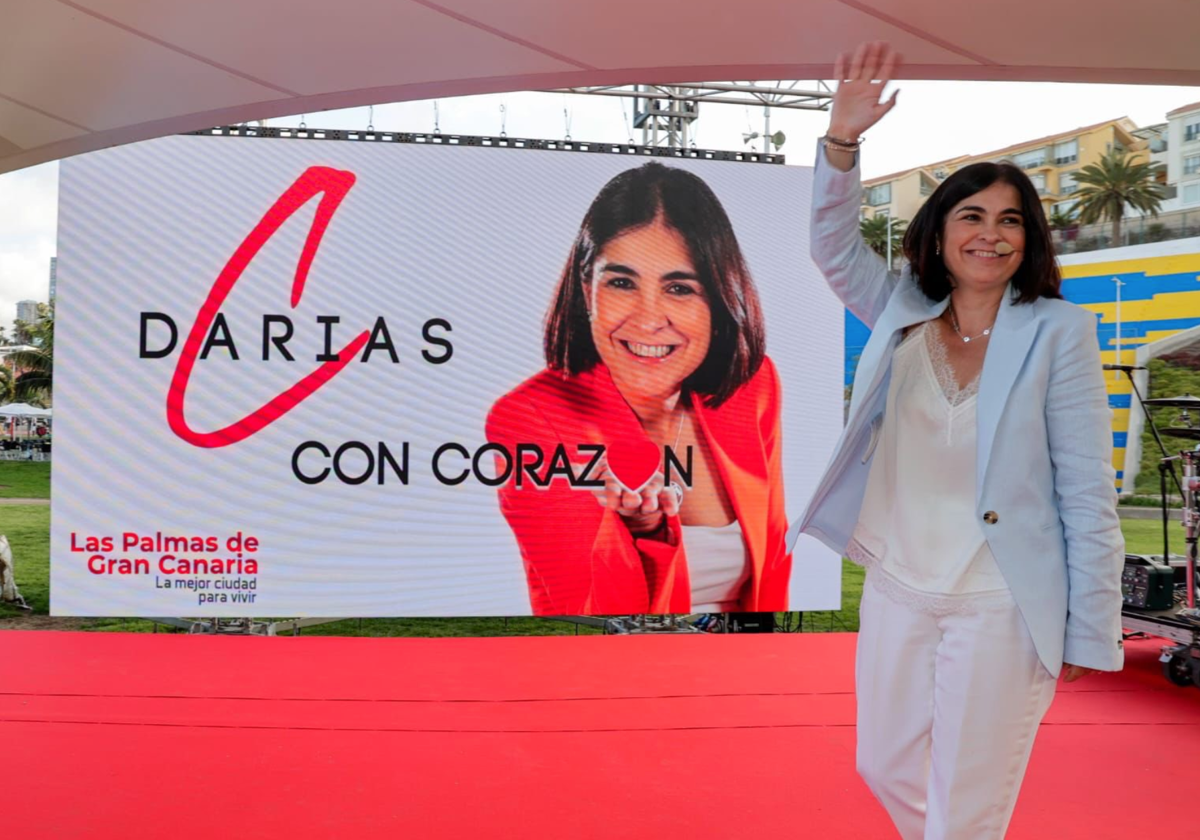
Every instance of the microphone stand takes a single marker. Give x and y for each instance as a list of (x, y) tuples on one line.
[(1165, 465), (1191, 524), (1177, 661)]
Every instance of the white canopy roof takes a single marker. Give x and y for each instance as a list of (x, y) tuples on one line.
[(23, 410), (78, 75)]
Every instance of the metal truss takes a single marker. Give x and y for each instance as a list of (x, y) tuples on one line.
[(437, 139), (665, 113), (727, 93)]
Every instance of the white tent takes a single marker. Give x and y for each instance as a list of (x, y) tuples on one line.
[(24, 410), (79, 75)]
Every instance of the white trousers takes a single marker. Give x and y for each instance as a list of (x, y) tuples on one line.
[(949, 702)]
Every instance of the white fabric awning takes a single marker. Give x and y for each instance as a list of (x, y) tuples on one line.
[(79, 75), (23, 410)]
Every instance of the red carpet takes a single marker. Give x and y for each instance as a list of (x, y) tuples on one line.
[(132, 736)]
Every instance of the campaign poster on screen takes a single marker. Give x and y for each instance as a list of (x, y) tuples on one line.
[(334, 378)]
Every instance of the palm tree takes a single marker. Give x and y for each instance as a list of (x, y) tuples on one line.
[(1059, 220), (34, 381), (875, 233), (7, 384), (1108, 187)]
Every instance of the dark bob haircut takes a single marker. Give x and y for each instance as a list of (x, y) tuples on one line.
[(634, 198), (1038, 274)]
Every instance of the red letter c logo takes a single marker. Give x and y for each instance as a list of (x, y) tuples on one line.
[(334, 184)]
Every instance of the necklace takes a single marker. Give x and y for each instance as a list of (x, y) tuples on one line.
[(968, 338), (679, 430), (674, 486)]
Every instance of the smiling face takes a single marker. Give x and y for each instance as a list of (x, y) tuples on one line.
[(973, 229), (651, 318)]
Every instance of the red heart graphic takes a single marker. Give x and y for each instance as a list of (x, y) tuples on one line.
[(633, 461)]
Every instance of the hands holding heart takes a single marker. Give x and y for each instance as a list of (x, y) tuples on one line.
[(634, 485)]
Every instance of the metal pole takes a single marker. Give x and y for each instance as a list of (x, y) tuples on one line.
[(1162, 494), (889, 239), (766, 129), (1117, 342), (1191, 522)]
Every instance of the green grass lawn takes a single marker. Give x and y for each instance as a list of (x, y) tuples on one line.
[(28, 529), (1144, 536), (24, 480)]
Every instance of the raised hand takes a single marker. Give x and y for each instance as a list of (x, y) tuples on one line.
[(857, 103)]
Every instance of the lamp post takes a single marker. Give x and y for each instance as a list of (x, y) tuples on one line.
[(1117, 340), (889, 240)]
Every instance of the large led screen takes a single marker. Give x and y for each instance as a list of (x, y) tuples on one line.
[(346, 378)]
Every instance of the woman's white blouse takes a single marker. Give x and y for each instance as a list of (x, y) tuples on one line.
[(918, 521), (717, 567)]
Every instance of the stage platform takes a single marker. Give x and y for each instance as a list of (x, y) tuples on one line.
[(161, 736)]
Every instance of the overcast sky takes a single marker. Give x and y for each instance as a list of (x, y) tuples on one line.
[(932, 121)]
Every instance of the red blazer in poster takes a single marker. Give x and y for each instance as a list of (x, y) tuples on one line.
[(580, 558)]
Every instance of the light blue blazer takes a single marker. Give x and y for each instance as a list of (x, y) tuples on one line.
[(1044, 460)]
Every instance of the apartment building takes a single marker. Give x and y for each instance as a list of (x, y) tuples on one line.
[(1050, 162), (901, 194), (1183, 154), (27, 311)]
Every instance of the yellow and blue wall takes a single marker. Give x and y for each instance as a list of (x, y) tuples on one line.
[(1160, 297)]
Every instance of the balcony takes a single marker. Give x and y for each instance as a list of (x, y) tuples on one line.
[(1178, 224)]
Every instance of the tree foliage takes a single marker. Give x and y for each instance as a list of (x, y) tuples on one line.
[(1106, 188), (875, 233), (1058, 220), (35, 368), (7, 384), (1166, 380)]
